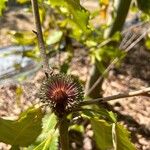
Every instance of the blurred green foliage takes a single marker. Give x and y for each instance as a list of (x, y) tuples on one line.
[(2, 6)]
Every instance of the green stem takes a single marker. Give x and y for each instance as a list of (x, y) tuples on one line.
[(94, 75), (116, 25), (122, 7), (63, 131)]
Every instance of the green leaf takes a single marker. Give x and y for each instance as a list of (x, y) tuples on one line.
[(116, 37), (33, 54), (144, 5), (90, 43), (2, 6), (147, 43), (76, 31), (77, 127), (22, 131), (76, 12), (48, 139), (105, 54), (111, 135), (113, 116), (23, 38), (107, 132), (49, 123), (122, 137), (50, 143), (103, 133), (101, 113), (54, 37)]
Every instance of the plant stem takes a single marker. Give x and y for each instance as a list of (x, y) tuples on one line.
[(63, 131), (122, 7), (118, 96), (39, 34), (93, 89)]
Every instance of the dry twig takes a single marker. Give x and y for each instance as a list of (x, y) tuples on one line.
[(39, 34), (118, 96)]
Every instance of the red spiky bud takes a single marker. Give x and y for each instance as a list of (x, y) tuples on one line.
[(61, 92)]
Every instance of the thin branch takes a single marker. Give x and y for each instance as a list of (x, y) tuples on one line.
[(115, 61), (118, 96), (138, 40), (39, 34)]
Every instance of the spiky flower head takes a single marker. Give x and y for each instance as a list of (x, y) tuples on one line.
[(62, 93)]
